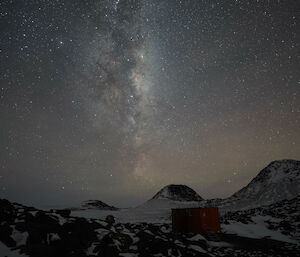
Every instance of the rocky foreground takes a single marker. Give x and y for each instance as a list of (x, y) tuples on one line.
[(31, 232)]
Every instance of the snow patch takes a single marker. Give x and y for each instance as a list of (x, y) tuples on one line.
[(19, 237), (197, 238), (128, 254), (197, 248), (258, 229)]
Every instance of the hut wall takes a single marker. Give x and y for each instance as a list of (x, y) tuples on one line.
[(196, 220)]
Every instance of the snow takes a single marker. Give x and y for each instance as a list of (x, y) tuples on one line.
[(165, 230), (179, 243), (90, 250), (128, 254), (197, 237), (153, 211), (133, 247), (158, 211), (134, 238), (165, 193), (53, 237), (278, 181), (60, 219), (19, 237), (5, 251), (33, 212), (220, 244), (197, 248), (177, 193), (101, 233), (92, 214), (258, 229)]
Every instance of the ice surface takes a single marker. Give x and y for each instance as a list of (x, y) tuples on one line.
[(154, 211)]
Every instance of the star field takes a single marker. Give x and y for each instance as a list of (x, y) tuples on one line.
[(115, 99)]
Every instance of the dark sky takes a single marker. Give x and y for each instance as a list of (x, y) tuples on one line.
[(115, 99)]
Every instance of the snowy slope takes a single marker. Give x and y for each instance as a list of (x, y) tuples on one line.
[(279, 221), (278, 181)]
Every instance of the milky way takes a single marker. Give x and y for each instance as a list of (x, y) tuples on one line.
[(115, 99)]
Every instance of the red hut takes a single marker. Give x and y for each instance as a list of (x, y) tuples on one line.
[(196, 220)]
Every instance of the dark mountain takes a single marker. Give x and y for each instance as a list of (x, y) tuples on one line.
[(97, 204), (178, 193), (278, 181)]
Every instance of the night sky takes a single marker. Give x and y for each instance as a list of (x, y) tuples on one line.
[(113, 100)]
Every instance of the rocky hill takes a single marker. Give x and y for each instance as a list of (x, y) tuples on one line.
[(178, 193), (98, 205)]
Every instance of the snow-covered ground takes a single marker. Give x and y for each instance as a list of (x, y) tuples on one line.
[(248, 229), (278, 221), (264, 222), (153, 211), (145, 231), (257, 229)]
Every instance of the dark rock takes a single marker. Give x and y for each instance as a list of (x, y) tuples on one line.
[(97, 204), (7, 211), (5, 235), (63, 212), (110, 219), (80, 233), (107, 247), (124, 240)]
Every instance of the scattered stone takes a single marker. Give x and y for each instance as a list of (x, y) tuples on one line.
[(80, 237)]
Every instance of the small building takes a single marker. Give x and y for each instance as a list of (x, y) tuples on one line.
[(196, 220)]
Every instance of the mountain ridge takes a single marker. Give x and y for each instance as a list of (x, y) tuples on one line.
[(277, 181), (177, 193), (98, 205)]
